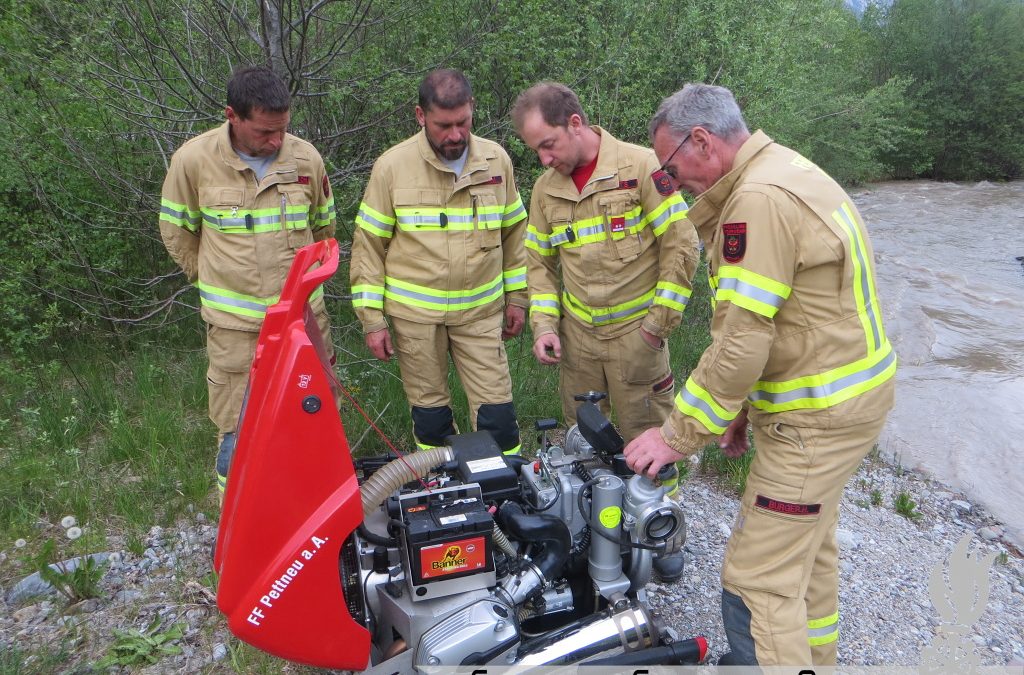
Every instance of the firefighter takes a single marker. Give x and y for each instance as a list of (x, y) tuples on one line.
[(437, 254), (237, 202), (610, 256), (798, 349)]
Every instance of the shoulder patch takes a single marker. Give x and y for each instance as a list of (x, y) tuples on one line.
[(326, 186), (303, 180), (662, 183), (734, 241)]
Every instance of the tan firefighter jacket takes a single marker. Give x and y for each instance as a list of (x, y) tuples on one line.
[(626, 251), (797, 330), (436, 248), (235, 238)]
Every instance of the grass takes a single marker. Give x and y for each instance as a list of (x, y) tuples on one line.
[(906, 506)]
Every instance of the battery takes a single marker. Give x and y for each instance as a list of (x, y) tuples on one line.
[(448, 534)]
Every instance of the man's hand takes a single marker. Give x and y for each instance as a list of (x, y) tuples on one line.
[(379, 342), (648, 452), (651, 339), (734, 442), (515, 319), (548, 349)]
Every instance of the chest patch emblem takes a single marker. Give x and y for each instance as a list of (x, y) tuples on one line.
[(303, 180), (494, 180), (662, 183), (734, 241), (618, 224)]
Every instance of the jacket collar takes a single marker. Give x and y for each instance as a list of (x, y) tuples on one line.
[(605, 176), (705, 211), (283, 170), (477, 168)]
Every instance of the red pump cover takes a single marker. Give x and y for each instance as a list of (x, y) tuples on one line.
[(292, 496)]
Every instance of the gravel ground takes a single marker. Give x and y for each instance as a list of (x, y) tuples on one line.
[(886, 561)]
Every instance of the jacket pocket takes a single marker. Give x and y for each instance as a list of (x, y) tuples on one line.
[(486, 218), (294, 205), (221, 208), (617, 210)]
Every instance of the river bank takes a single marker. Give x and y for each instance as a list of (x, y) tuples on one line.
[(887, 612)]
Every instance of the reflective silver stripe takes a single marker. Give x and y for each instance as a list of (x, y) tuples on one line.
[(670, 212), (239, 221), (598, 317), (590, 231), (822, 632), (233, 302), (442, 299), (750, 291), (180, 215), (515, 279), (865, 287), (421, 219), (535, 238), (550, 304), (700, 404), (389, 227), (671, 295), (487, 218), (367, 296), (515, 213), (558, 239), (828, 389)]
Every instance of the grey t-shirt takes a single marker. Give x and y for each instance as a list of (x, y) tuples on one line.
[(457, 165), (259, 165)]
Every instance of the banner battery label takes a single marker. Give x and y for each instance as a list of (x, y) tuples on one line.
[(452, 557)]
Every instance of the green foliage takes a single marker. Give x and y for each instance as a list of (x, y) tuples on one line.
[(80, 582), (964, 62), (906, 506), (142, 647), (876, 497)]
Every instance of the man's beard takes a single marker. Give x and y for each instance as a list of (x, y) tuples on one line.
[(450, 152)]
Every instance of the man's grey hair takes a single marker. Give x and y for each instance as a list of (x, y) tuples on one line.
[(703, 105)]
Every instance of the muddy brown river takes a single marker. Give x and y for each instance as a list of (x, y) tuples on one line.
[(952, 290)]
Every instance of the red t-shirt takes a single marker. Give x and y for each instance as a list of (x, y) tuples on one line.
[(582, 174)]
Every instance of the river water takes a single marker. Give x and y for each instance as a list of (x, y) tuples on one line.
[(952, 294)]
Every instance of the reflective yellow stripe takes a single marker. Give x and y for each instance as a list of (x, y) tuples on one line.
[(513, 451), (863, 279), (602, 316), (671, 295), (179, 214), (239, 303), (447, 301), (826, 389), (545, 303), (514, 279), (671, 210), (696, 402), (823, 631), (830, 620), (750, 290), (538, 241), (365, 295), (374, 221)]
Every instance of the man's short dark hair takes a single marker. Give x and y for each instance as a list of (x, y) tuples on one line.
[(556, 102), (257, 87), (445, 88)]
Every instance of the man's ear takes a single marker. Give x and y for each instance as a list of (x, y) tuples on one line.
[(421, 117)]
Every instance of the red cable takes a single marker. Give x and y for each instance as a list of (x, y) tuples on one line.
[(354, 402)]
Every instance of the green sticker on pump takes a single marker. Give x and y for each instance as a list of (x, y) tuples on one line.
[(610, 516)]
